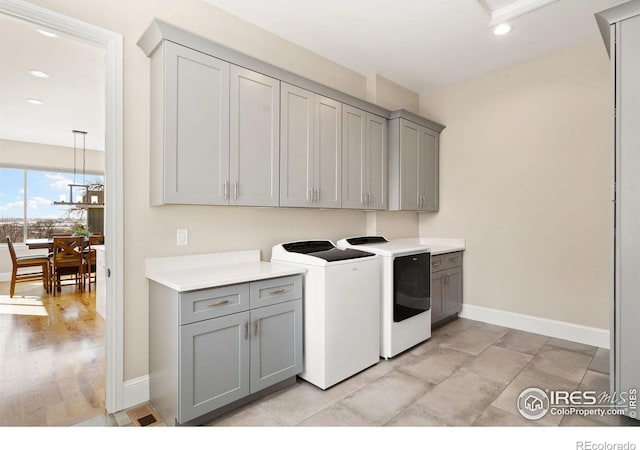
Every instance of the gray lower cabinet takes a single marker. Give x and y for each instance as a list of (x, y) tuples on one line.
[(413, 166), (446, 286), (364, 159), (204, 355), (310, 149), (215, 131)]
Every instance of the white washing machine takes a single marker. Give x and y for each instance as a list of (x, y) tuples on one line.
[(405, 310), (341, 309)]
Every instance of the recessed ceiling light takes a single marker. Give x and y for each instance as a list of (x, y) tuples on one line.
[(39, 73), (47, 33), (501, 29), (34, 101)]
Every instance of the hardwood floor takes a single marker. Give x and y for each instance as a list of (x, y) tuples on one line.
[(52, 357)]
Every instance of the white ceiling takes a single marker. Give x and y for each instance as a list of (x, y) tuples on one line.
[(73, 96), (419, 44), (423, 44)]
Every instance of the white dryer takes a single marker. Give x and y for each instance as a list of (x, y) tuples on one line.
[(405, 311), (341, 309)]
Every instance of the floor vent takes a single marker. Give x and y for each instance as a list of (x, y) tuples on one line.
[(144, 416)]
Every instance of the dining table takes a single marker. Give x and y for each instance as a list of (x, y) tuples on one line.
[(39, 244), (42, 243)]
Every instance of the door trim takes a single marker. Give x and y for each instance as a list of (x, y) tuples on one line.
[(112, 44)]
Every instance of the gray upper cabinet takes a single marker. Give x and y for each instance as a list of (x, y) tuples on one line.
[(254, 177), (230, 129), (364, 159), (413, 166), (310, 149), (215, 133), (190, 132)]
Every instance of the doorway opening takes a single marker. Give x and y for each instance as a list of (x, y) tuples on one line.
[(111, 45)]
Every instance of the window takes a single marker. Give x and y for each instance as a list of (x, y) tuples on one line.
[(26, 204)]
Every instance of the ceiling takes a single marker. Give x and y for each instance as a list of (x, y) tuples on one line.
[(419, 44), (424, 44), (73, 96)]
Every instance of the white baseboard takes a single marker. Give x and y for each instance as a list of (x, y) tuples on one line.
[(136, 391), (597, 337)]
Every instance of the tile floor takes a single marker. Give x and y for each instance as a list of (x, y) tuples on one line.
[(468, 374)]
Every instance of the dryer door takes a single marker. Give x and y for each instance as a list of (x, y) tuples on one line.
[(411, 285)]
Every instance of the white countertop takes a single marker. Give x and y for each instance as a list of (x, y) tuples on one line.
[(188, 273), (437, 245)]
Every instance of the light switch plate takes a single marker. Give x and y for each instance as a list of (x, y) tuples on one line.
[(183, 236)]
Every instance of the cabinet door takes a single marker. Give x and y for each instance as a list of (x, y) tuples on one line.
[(437, 295), (428, 164), (296, 146), (276, 343), (254, 139), (214, 364), (452, 302), (377, 162), (409, 165), (355, 184), (328, 152), (196, 118)]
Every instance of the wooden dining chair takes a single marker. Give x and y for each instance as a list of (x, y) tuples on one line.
[(24, 262), (90, 258), (67, 260)]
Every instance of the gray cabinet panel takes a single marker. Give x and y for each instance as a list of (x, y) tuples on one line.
[(452, 301), (328, 152), (364, 159), (409, 165), (296, 146), (354, 157), (446, 286), (254, 139), (627, 221), (429, 166), (276, 344), (209, 303), (413, 166), (275, 290), (377, 162), (437, 296), (310, 149), (214, 364), (196, 124)]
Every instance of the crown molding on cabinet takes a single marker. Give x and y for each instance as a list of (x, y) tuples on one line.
[(610, 16)]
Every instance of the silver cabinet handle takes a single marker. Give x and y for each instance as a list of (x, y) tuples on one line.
[(364, 199), (256, 328), (235, 190), (317, 195), (220, 303), (226, 189), (278, 292), (311, 195), (368, 199), (246, 329), (436, 263)]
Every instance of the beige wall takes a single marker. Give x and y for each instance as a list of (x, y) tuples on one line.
[(525, 164), (151, 231), (390, 95)]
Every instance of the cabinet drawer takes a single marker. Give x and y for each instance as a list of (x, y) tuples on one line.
[(275, 290), (437, 262), (208, 303), (452, 260)]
